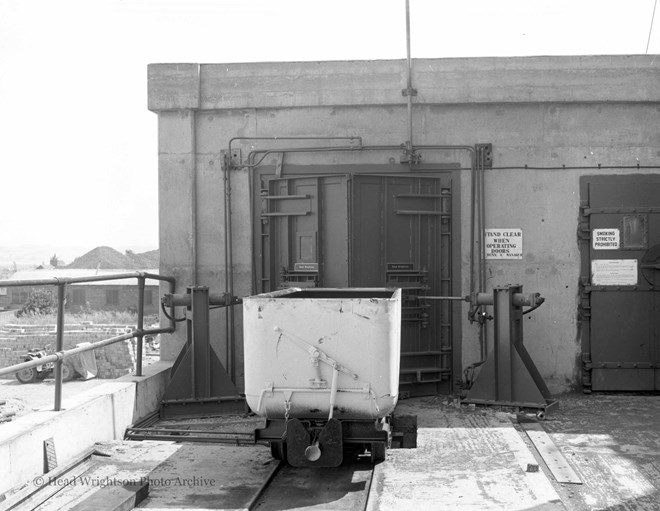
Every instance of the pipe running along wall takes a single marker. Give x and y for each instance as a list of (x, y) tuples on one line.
[(477, 212)]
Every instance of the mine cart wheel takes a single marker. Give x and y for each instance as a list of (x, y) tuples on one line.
[(27, 375), (377, 452), (278, 450)]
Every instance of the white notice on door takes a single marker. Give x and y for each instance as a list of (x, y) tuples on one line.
[(614, 272), (605, 239)]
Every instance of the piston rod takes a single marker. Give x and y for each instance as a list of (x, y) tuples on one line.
[(519, 299), (218, 299)]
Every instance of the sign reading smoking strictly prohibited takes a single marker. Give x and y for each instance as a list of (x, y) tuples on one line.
[(503, 243), (605, 239)]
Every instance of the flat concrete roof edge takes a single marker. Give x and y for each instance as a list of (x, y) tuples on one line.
[(597, 78)]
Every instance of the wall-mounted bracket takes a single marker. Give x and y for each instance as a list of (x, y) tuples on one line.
[(484, 155)]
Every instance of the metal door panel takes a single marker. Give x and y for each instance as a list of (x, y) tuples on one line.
[(620, 327), (632, 380), (401, 238), (304, 232), (620, 308), (367, 234)]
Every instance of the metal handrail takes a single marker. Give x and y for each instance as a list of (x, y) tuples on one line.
[(61, 354)]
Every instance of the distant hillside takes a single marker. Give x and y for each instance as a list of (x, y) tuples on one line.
[(107, 258)]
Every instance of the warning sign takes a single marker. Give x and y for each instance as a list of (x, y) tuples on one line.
[(605, 239), (503, 243), (614, 272)]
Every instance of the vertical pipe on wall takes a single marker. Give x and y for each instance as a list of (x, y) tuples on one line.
[(473, 230), (193, 200), (481, 198), (476, 241), (409, 88), (230, 277), (228, 247)]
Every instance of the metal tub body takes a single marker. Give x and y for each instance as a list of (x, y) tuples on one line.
[(322, 353)]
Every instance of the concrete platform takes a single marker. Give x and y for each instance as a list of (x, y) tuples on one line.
[(467, 458), (613, 443), (96, 414)]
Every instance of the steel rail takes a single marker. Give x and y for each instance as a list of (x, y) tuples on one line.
[(278, 480), (271, 475)]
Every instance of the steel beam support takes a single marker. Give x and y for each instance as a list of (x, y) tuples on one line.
[(198, 329), (199, 384), (509, 376), (505, 332)]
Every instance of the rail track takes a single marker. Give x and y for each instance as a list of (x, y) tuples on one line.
[(347, 487)]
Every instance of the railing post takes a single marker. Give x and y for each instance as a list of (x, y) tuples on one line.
[(59, 345), (140, 326)]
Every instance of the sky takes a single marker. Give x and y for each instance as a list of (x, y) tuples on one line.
[(79, 161)]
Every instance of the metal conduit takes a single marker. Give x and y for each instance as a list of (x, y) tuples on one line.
[(409, 89), (193, 200), (229, 274), (473, 158), (473, 209), (483, 331)]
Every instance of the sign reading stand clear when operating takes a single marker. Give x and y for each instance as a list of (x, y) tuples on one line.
[(503, 243)]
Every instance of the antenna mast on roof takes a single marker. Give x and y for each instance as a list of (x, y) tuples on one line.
[(410, 156)]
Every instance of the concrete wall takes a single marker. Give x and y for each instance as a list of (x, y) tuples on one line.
[(100, 414), (538, 111)]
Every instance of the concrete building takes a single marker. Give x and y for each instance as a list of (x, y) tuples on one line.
[(564, 151)]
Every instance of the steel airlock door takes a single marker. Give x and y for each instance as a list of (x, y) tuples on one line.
[(621, 279), (401, 237), (369, 231), (304, 232)]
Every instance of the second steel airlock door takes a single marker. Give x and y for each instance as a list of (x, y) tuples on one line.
[(620, 303)]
